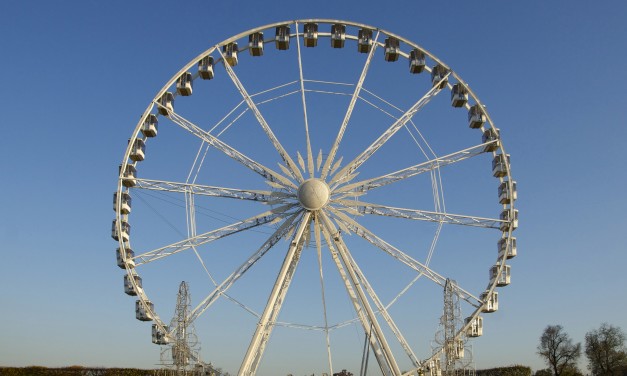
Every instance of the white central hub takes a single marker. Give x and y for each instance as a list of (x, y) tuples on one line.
[(313, 194)]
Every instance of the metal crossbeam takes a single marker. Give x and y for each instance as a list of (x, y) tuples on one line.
[(206, 190), (402, 257), (266, 128), (363, 157), (366, 185), (221, 289), (422, 215), (349, 110), (231, 152), (258, 220)]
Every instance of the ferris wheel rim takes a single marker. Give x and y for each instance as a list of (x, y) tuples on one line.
[(121, 189)]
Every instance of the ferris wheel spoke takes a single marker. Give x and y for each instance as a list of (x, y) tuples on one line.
[(372, 327), (408, 172), (231, 152), (206, 190), (310, 162), (196, 241), (275, 301), (399, 255), (398, 124), (422, 215), (266, 128), (349, 110), (223, 287)]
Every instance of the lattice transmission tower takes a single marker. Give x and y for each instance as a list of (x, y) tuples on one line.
[(455, 351), (181, 354)]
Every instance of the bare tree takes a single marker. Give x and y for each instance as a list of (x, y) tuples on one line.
[(605, 350), (558, 350)]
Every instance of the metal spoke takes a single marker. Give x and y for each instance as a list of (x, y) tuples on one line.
[(243, 268), (343, 253), (310, 163), (275, 301), (258, 220), (366, 185), (401, 256), (363, 157), (266, 128), (349, 110), (257, 167), (422, 215), (271, 197)]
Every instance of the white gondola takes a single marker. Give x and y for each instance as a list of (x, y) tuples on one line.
[(364, 40), (502, 279), (476, 326), (504, 250), (434, 368), (126, 230), (459, 95), (255, 44), (138, 150), (143, 314), (500, 165), (438, 74), (129, 258), (125, 204), (417, 61), (391, 49), (338, 35), (230, 53), (129, 177), (510, 218), (491, 135), (158, 336), (205, 68), (310, 34), (507, 195), (491, 301), (184, 84), (166, 103), (128, 286), (282, 37), (476, 117), (459, 348), (150, 126)]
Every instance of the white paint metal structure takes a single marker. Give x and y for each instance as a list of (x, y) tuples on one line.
[(316, 201)]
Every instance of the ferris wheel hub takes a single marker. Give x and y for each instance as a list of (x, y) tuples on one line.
[(313, 194)]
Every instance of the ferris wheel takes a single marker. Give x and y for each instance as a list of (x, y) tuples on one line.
[(295, 175)]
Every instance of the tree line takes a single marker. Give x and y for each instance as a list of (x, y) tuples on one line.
[(604, 348)]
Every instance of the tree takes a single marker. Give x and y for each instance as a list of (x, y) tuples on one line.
[(605, 350), (558, 350)]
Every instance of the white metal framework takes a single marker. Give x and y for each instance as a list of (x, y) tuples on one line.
[(231, 138)]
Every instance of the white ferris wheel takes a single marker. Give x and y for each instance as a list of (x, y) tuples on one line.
[(295, 175)]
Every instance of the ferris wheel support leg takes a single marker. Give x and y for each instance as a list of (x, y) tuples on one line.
[(350, 289), (382, 310), (343, 253), (275, 301)]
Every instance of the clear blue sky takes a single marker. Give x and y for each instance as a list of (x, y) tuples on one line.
[(77, 75)]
